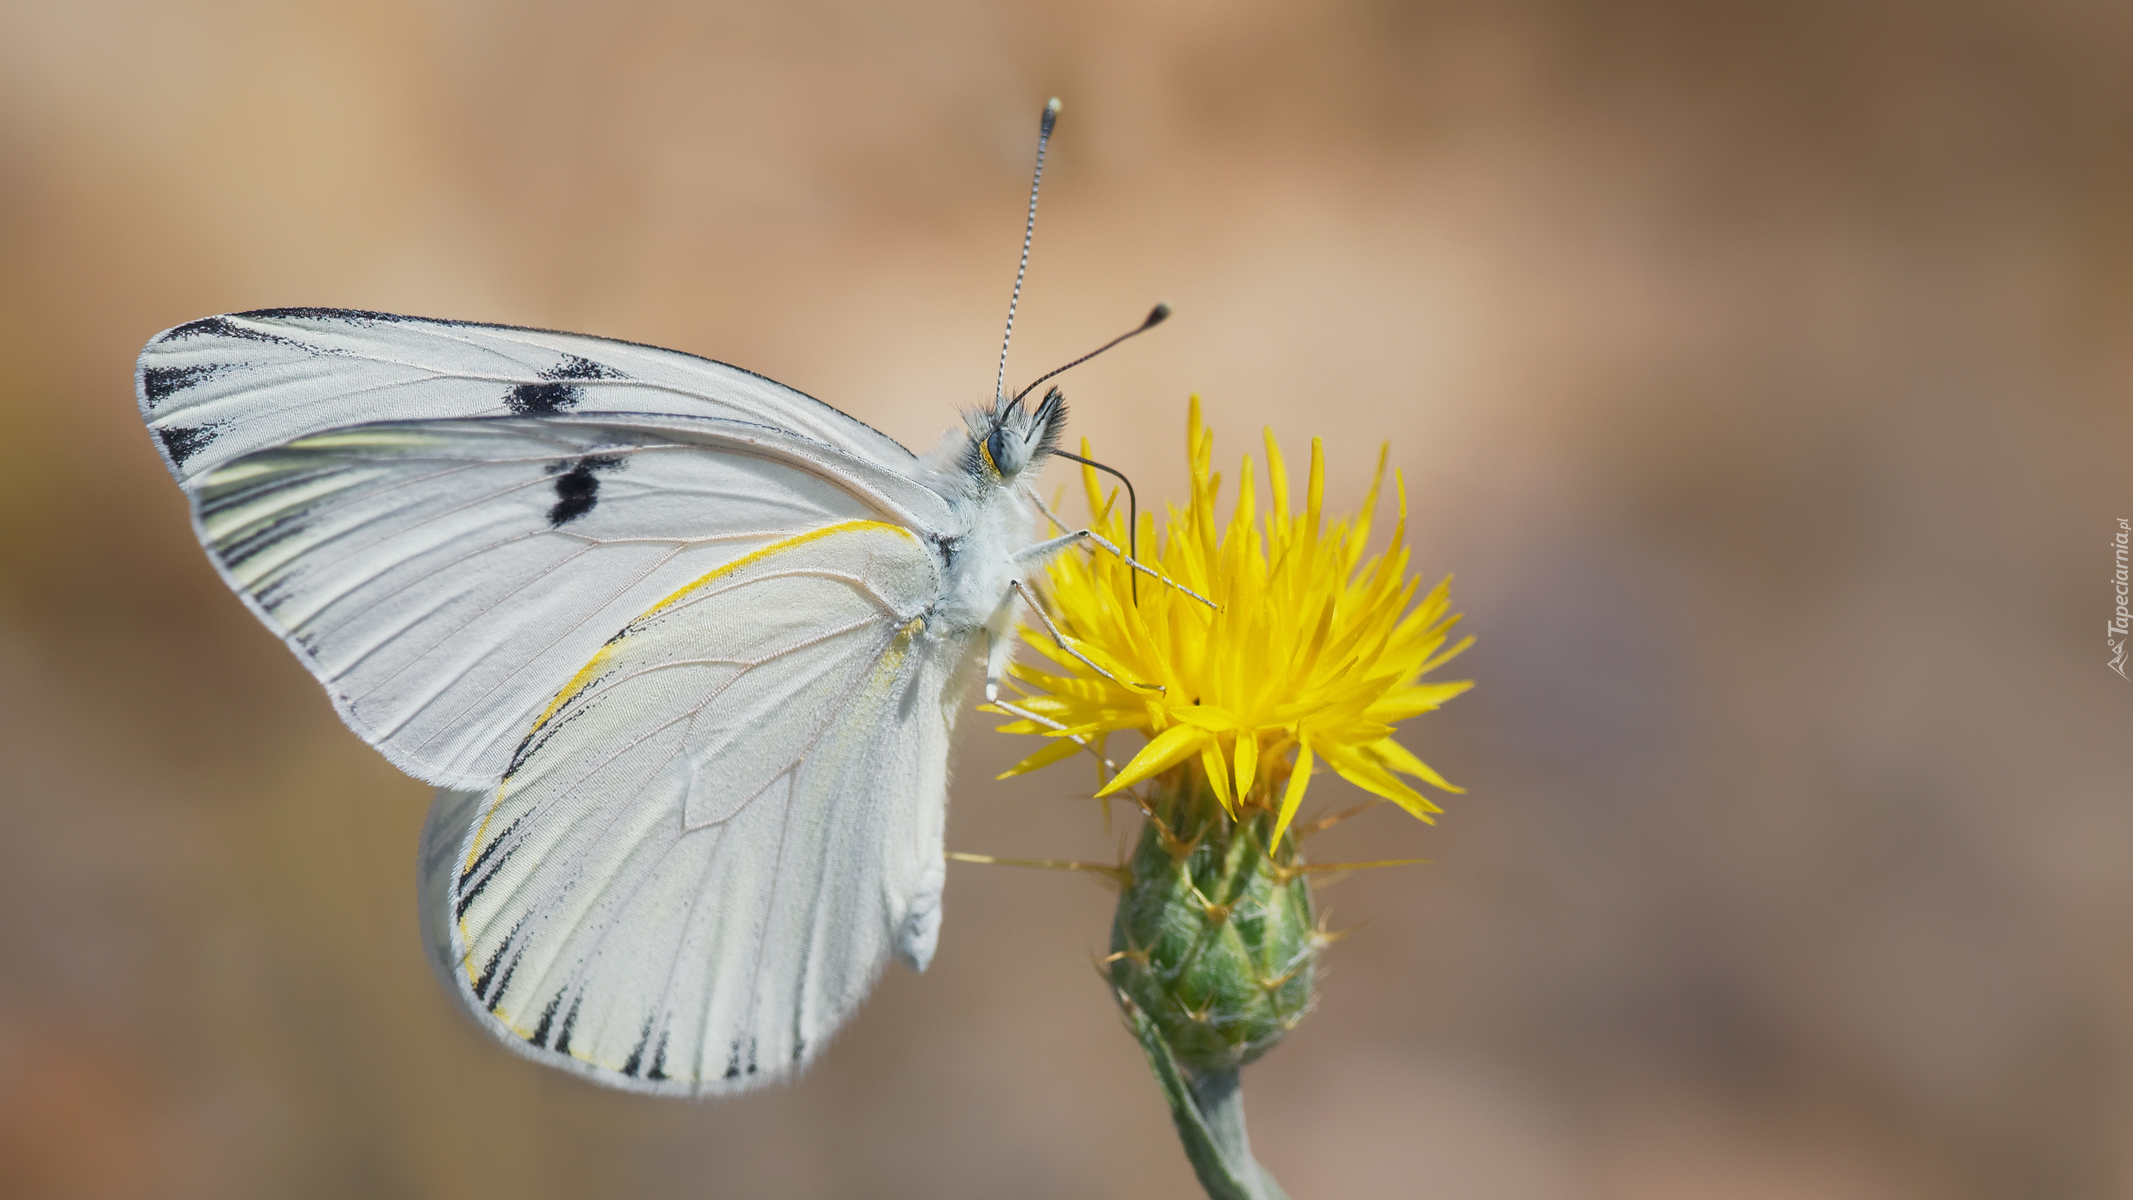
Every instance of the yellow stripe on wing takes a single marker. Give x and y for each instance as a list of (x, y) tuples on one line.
[(592, 666), (591, 671)]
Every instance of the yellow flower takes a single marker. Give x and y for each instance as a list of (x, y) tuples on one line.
[(1312, 653)]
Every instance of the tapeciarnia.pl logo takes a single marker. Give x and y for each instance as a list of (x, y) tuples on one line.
[(2115, 637)]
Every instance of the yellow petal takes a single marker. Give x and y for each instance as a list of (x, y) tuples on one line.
[(1369, 776), (1400, 759), (1448, 655), (1408, 702), (1312, 640), (1206, 716), (1171, 747), (1277, 474), (1218, 775), (1247, 757), (1299, 779), (1059, 749)]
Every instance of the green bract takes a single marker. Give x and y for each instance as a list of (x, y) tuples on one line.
[(1215, 938)]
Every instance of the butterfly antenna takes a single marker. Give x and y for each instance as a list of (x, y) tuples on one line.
[(1156, 316), (1133, 507), (1029, 229)]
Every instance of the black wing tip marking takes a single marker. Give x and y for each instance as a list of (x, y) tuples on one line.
[(540, 1031), (313, 313), (734, 1067), (570, 1022), (221, 325), (659, 1060), (488, 974), (161, 383), (633, 1066), (225, 327), (181, 442), (503, 985), (205, 325)]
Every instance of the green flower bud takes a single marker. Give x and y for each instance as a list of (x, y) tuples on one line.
[(1215, 938)]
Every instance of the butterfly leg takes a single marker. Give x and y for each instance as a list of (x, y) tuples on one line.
[(1042, 550), (1033, 554), (1018, 711), (1059, 640), (1001, 645), (1001, 642)]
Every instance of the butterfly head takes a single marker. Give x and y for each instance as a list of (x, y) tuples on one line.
[(1010, 438)]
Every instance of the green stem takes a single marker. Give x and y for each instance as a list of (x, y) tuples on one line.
[(1209, 1113)]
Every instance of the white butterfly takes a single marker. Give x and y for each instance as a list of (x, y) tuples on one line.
[(683, 646)]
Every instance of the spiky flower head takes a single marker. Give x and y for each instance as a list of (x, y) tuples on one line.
[(1312, 652), (1269, 643)]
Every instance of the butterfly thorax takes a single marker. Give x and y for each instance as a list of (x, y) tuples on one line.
[(980, 565), (979, 469)]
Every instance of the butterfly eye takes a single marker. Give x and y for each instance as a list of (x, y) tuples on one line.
[(1006, 452)]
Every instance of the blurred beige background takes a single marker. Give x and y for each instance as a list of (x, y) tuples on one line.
[(1760, 369)]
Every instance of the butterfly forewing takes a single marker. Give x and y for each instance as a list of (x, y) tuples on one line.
[(441, 577), (219, 388)]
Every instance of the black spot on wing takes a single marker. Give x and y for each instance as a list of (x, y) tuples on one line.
[(577, 488), (555, 393), (161, 383), (659, 1060), (542, 399), (184, 441), (733, 1062), (573, 367), (799, 1049), (576, 491)]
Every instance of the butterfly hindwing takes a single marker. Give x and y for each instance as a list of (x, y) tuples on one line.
[(696, 906)]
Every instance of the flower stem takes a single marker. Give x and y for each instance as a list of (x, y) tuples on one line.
[(1209, 1113)]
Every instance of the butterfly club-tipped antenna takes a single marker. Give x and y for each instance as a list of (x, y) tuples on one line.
[(1156, 316), (1029, 230), (1001, 401)]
